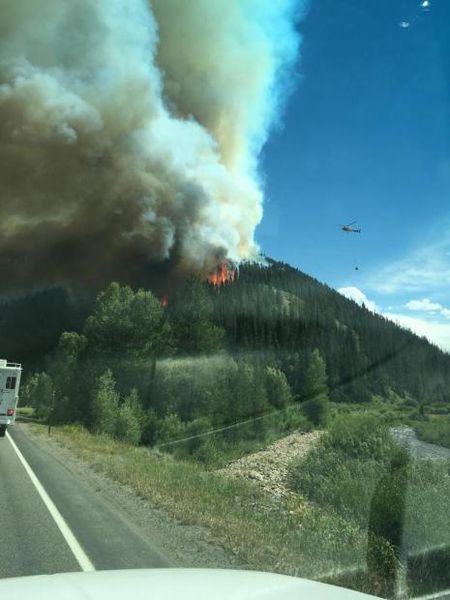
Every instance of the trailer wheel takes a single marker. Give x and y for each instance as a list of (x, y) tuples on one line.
[(2, 430)]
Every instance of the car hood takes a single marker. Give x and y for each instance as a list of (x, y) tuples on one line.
[(171, 584)]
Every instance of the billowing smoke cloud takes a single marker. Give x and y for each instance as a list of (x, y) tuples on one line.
[(130, 133)]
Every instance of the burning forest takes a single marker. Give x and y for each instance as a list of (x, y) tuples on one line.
[(223, 274)]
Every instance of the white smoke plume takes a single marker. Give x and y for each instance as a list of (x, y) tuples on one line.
[(130, 132)]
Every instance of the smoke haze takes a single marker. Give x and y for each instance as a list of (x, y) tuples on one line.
[(130, 133)]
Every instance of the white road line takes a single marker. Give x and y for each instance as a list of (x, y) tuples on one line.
[(67, 534)]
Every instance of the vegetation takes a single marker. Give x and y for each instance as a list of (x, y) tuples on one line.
[(288, 537), (358, 472), (249, 361), (343, 470), (436, 430), (316, 407), (222, 371)]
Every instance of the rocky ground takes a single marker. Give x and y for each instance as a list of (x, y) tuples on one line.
[(269, 467)]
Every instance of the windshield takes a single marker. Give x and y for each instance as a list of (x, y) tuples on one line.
[(224, 256)]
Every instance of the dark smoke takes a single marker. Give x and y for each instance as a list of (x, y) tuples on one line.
[(130, 132)]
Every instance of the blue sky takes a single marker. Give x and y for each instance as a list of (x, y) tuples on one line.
[(366, 137)]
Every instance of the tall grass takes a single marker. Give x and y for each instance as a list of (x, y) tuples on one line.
[(435, 431), (358, 471)]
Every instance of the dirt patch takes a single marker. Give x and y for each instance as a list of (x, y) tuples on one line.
[(269, 467)]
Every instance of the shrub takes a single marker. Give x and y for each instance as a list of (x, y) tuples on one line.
[(277, 387), (439, 410), (360, 436), (130, 420), (105, 404), (194, 430), (43, 392), (171, 429), (343, 471), (333, 480), (436, 431), (316, 410)]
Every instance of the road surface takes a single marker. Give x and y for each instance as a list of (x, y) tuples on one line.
[(31, 541)]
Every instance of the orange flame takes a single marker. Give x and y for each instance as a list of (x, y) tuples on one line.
[(223, 274), (164, 301)]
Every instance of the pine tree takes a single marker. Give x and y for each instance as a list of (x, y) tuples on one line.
[(191, 317), (316, 391), (277, 387)]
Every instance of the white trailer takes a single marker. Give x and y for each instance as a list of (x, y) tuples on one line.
[(9, 393)]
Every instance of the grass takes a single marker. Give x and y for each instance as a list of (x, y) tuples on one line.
[(289, 536), (391, 410), (436, 430), (321, 537), (25, 411)]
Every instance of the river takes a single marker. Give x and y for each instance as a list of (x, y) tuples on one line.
[(407, 438)]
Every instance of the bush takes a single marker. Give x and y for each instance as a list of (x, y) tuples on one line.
[(439, 410), (42, 391), (277, 387), (331, 479), (130, 420), (360, 436), (416, 415), (435, 431), (343, 471), (194, 430), (411, 402), (316, 410), (171, 429), (105, 404), (150, 427)]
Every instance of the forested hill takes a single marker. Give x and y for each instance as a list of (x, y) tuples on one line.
[(273, 315), (281, 311)]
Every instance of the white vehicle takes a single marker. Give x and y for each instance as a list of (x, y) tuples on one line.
[(173, 584), (9, 393)]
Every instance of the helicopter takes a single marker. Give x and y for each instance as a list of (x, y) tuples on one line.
[(349, 228)]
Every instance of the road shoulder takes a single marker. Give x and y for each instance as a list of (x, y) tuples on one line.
[(183, 545)]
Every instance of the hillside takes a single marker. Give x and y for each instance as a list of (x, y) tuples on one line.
[(283, 312), (271, 387), (276, 314)]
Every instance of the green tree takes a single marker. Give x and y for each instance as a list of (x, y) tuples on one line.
[(28, 390), (130, 420), (316, 410), (277, 387), (171, 429), (62, 367), (316, 407), (191, 316), (43, 395), (105, 404), (316, 376), (127, 323), (195, 430), (246, 401), (150, 427)]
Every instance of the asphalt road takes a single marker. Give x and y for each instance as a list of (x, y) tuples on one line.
[(30, 540)]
